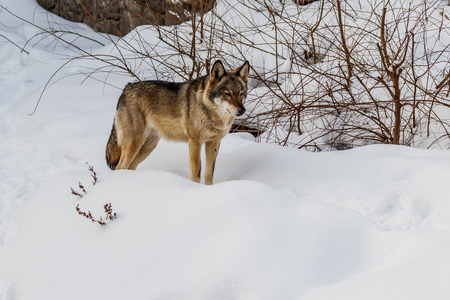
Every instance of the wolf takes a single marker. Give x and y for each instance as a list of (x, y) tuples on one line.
[(200, 111)]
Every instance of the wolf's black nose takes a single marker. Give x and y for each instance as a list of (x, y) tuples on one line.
[(241, 111)]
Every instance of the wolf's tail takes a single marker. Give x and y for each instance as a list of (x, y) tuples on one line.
[(112, 150)]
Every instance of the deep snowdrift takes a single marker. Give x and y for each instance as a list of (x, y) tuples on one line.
[(279, 224)]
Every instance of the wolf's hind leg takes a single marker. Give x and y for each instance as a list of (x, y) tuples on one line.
[(130, 147), (149, 145)]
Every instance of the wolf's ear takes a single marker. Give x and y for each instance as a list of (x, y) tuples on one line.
[(217, 71), (243, 71)]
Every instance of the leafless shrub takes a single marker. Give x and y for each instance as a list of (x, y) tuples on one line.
[(377, 80), (327, 75)]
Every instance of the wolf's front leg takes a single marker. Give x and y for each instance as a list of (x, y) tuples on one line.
[(194, 160), (211, 149)]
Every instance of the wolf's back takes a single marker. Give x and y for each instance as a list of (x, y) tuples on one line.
[(112, 150)]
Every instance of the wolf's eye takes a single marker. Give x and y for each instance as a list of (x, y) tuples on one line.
[(227, 94)]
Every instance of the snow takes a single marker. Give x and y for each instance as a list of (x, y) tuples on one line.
[(279, 223)]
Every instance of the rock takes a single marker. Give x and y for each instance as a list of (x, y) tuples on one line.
[(119, 17)]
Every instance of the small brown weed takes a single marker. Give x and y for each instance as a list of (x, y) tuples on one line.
[(110, 215), (93, 174)]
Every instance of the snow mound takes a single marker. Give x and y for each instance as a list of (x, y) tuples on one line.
[(279, 224)]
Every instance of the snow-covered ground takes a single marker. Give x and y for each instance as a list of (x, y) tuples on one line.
[(279, 223)]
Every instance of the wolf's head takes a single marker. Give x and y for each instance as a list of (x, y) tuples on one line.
[(228, 90)]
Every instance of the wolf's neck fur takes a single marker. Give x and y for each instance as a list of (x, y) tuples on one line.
[(225, 117)]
